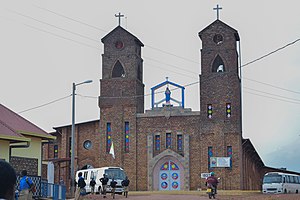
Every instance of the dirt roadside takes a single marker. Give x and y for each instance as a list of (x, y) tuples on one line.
[(191, 195)]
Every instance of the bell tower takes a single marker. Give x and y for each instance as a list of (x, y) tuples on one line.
[(220, 103), (220, 84), (121, 98), (122, 70)]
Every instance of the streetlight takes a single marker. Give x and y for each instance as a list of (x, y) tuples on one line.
[(72, 135)]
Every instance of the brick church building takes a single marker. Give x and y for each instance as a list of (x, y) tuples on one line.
[(167, 147)]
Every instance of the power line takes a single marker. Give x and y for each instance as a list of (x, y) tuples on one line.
[(272, 94), (91, 26), (80, 35), (169, 65), (87, 96), (45, 104), (78, 21), (146, 57), (173, 71), (271, 97), (272, 85), (29, 17), (48, 32), (183, 58), (81, 43), (145, 45), (272, 52)]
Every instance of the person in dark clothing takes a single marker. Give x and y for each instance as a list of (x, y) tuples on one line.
[(92, 185), (125, 184), (113, 185), (213, 181), (104, 181), (7, 181), (80, 190)]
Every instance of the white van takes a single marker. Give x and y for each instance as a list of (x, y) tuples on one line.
[(112, 172)]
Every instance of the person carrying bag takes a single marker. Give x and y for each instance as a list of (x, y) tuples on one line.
[(27, 187)]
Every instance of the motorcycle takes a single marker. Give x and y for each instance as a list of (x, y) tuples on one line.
[(211, 191)]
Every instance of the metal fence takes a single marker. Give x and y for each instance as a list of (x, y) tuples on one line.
[(53, 191), (45, 189)]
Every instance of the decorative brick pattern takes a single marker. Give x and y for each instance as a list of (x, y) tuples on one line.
[(29, 164)]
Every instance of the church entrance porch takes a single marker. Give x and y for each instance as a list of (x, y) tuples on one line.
[(168, 170), (169, 176)]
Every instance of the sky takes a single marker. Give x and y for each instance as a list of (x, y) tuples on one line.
[(47, 45)]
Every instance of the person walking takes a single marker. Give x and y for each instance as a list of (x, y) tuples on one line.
[(8, 180), (104, 181), (80, 189), (113, 185), (26, 186), (125, 184), (92, 185)]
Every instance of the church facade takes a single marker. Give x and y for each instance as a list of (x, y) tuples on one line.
[(168, 147)]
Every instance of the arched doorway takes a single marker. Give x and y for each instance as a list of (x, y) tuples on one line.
[(169, 176)]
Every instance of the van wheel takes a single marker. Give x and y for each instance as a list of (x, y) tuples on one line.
[(296, 191), (285, 192)]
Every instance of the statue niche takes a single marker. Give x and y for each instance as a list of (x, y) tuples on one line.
[(218, 65), (118, 70)]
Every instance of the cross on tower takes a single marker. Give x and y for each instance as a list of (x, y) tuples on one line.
[(217, 9), (119, 15)]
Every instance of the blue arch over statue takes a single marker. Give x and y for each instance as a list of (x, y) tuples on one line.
[(168, 92)]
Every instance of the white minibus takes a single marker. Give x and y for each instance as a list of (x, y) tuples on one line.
[(112, 172), (278, 182)]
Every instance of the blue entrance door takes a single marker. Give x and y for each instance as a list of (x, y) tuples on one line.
[(169, 176)]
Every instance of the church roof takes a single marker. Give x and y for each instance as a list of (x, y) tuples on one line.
[(248, 146), (121, 28), (79, 123), (13, 123), (236, 34)]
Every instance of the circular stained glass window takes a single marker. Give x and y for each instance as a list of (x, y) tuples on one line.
[(218, 38), (87, 144), (119, 44)]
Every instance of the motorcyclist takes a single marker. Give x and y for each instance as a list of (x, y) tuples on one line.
[(213, 181)]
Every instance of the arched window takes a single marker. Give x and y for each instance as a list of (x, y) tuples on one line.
[(218, 65), (118, 70)]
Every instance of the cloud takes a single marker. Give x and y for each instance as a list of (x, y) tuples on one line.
[(287, 154)]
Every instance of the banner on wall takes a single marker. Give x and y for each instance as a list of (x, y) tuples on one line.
[(220, 162)]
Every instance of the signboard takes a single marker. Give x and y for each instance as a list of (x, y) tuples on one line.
[(220, 162), (205, 175)]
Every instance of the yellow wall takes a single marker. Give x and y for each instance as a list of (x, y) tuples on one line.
[(33, 151), (4, 150)]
